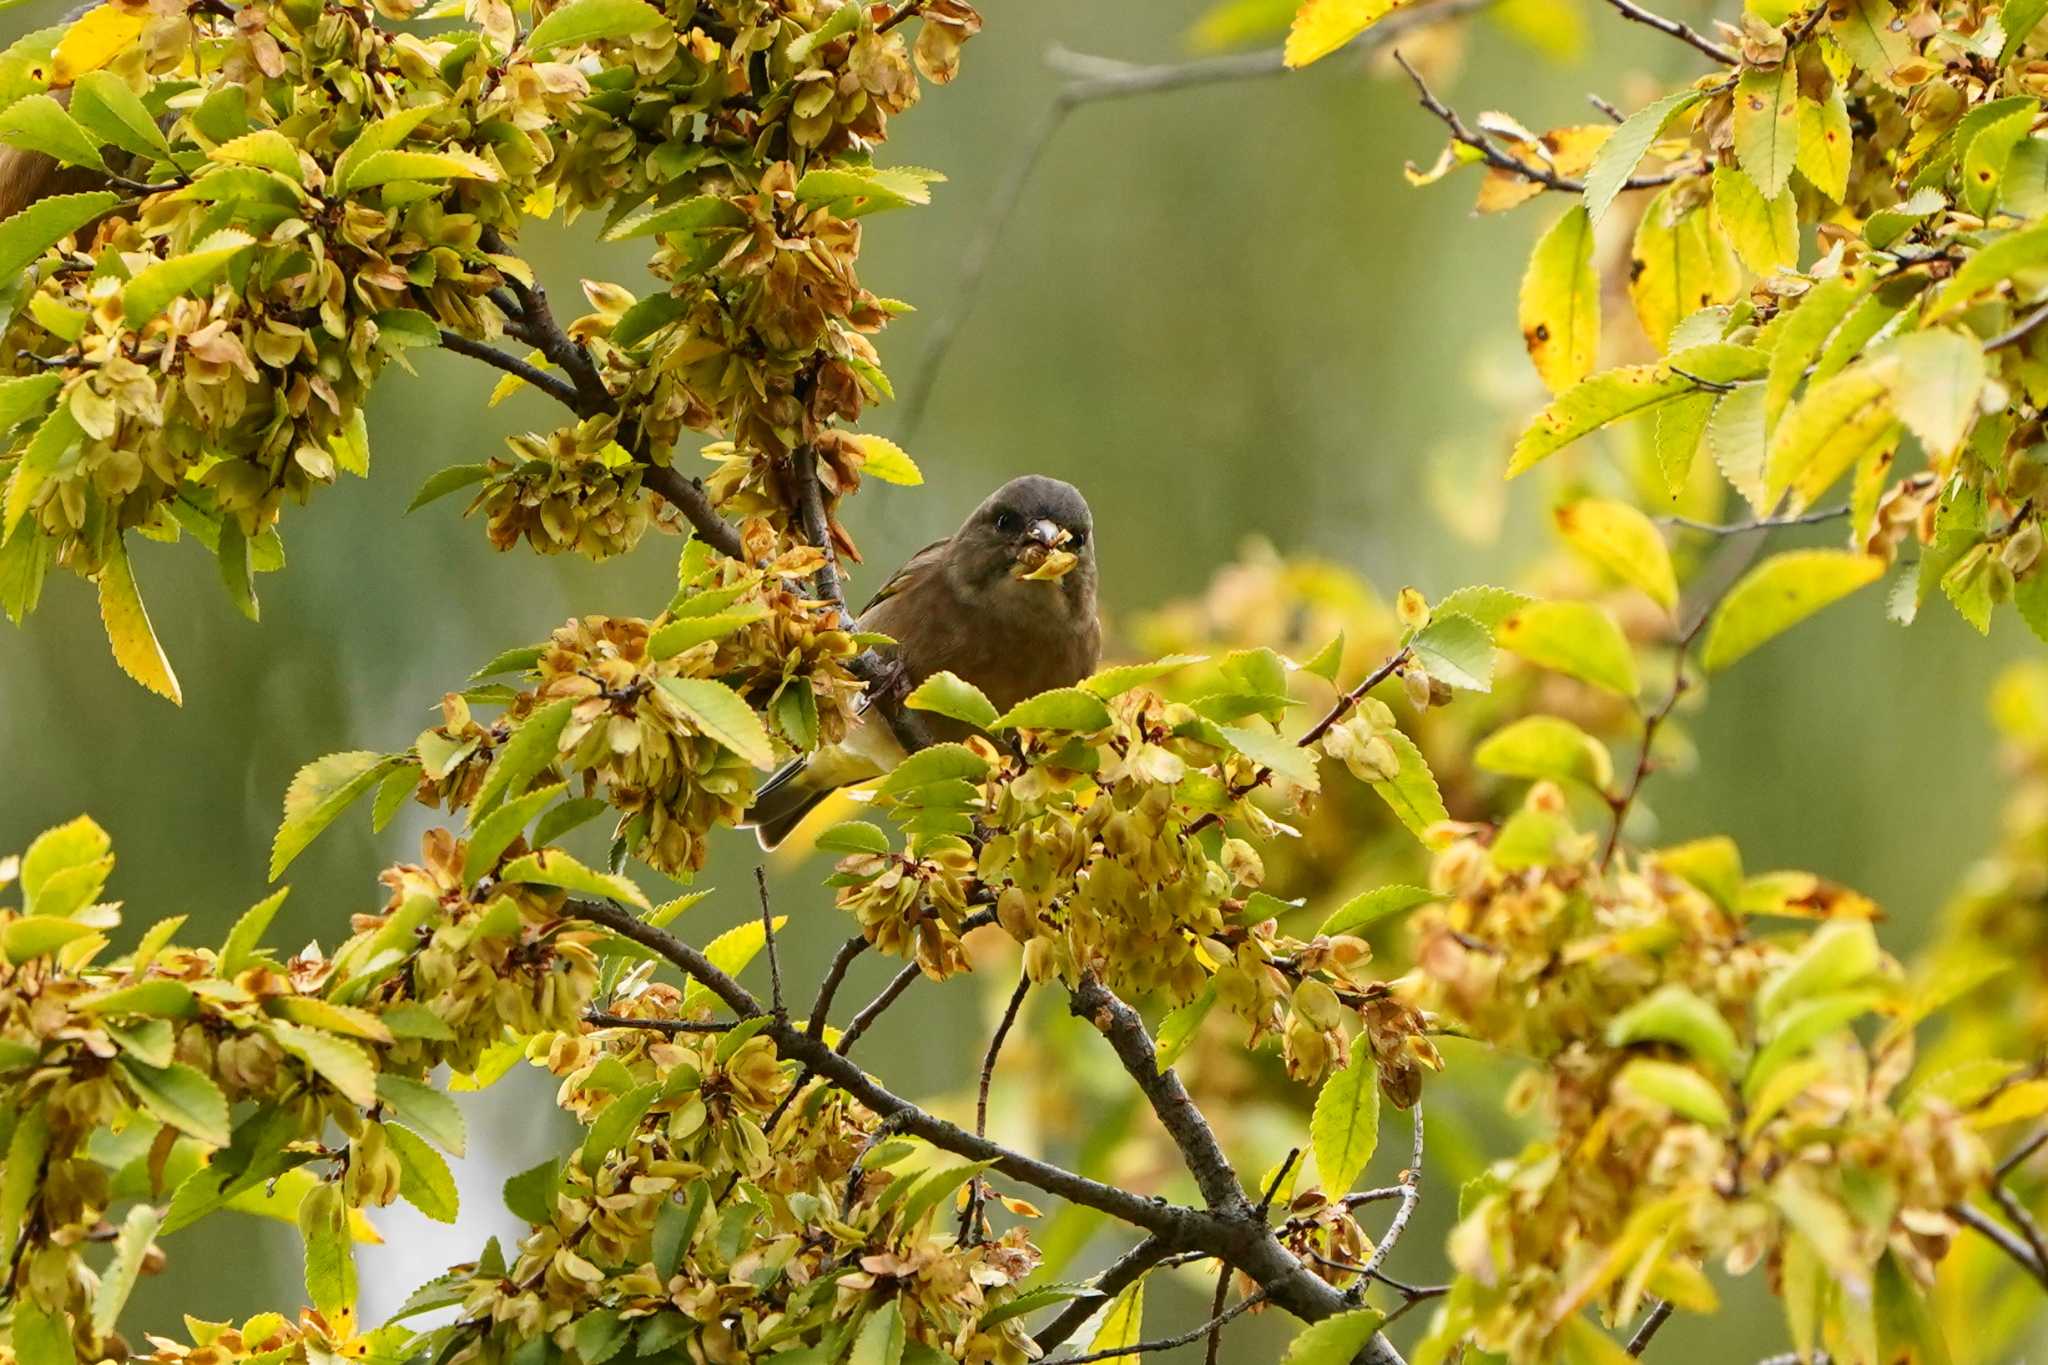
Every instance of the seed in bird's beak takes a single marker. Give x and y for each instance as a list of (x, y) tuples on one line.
[(1048, 533)]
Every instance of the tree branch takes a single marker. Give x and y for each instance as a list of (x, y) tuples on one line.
[(1736, 528), (898, 984), (1411, 1195), (1659, 1314), (1121, 1273), (1094, 80), (553, 386), (1685, 33), (821, 1009), (2002, 1238), (977, 1190), (1214, 1324)]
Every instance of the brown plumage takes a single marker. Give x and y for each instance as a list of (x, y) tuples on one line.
[(961, 606)]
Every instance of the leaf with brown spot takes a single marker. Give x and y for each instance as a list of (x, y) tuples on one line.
[(1560, 302), (1767, 125)]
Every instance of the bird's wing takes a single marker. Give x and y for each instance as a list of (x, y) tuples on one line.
[(913, 568)]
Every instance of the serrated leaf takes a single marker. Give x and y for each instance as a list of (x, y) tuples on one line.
[(1122, 1324), (552, 867), (720, 714), (1621, 153), (426, 1110), (946, 694), (26, 235), (1546, 748), (196, 272), (106, 105), (1455, 649), (1181, 1024), (1345, 1125), (1779, 593), (1990, 266), (239, 949), (131, 1245), (1275, 752), (496, 831), (38, 123), (57, 436), (424, 1179), (1677, 265), (339, 1062), (937, 763), (40, 1336), (1111, 683), (527, 754), (1870, 32), (1577, 638), (1625, 391), (1764, 232), (1935, 378), (1362, 912), (699, 213), (730, 952), (330, 1254), (1678, 1088), (1766, 125), (128, 629), (1736, 439), (314, 1012), (530, 1195), (1412, 793), (319, 792), (688, 632), (181, 1096), (1064, 708), (21, 1176), (885, 460), (1623, 541), (852, 836), (881, 1337), (402, 164), (1336, 1340), (581, 22)]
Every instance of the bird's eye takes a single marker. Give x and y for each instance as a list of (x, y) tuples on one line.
[(1078, 538), (1006, 521)]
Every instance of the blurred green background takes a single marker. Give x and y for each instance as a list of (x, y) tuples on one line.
[(1222, 313)]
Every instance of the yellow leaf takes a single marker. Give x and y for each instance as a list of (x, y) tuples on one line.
[(1836, 424), (1678, 265), (1576, 638), (100, 35), (128, 629), (1824, 144), (1779, 593), (1121, 1324), (510, 384), (2026, 1100), (1624, 542), (1767, 125), (1560, 302), (885, 460), (1764, 232), (1322, 26)]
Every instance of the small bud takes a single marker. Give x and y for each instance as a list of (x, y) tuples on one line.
[(1411, 608), (2022, 548), (1417, 683)]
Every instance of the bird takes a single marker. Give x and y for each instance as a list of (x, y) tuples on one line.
[(1006, 603)]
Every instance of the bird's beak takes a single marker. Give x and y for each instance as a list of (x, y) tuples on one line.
[(1047, 533)]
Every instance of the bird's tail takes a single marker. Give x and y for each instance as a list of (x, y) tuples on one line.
[(781, 803)]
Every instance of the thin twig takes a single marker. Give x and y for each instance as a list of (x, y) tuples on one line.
[(768, 943), (898, 984), (2000, 1237), (1736, 528), (2020, 330), (1606, 107), (1501, 161), (1094, 80), (554, 386), (1659, 1314), (1411, 1195), (1214, 1350), (1685, 33), (1111, 1282), (908, 9), (2034, 1143), (821, 1009), (557, 345), (1215, 1324), (605, 1019), (977, 1190), (2024, 1221)]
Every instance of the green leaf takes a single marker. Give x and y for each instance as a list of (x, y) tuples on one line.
[(38, 123), (690, 631), (1345, 1127), (26, 397), (1626, 390), (1991, 265), (1064, 708), (885, 460), (1764, 232), (1624, 150), (1559, 304), (852, 191), (730, 952), (1577, 638), (240, 947), (237, 575), (1985, 161), (1486, 605), (852, 836), (615, 1123), (1798, 1029), (339, 1062), (1779, 593), (425, 1109), (685, 217), (937, 763), (881, 1337), (599, 1335), (1678, 1088), (155, 998), (379, 136), (133, 638), (838, 24), (1455, 649), (552, 867), (266, 147), (1623, 541), (383, 168), (1546, 747), (330, 1255), (521, 660), (530, 1195), (1122, 1324), (58, 435), (1335, 1340), (1114, 682), (1276, 752), (22, 1175), (934, 1188), (442, 482), (946, 694), (1412, 793), (131, 1244), (647, 317), (22, 940), (41, 1336), (1675, 1015), (25, 236), (319, 792), (79, 842), (1181, 1024), (1736, 439), (581, 22), (1766, 124), (424, 1179), (1839, 954), (181, 1096), (675, 1225), (1362, 912), (196, 272), (496, 831), (528, 753), (113, 113), (720, 714)]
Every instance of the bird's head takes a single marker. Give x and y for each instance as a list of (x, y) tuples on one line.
[(1032, 528)]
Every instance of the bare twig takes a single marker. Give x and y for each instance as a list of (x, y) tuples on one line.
[(768, 942), (1110, 1283), (1736, 528), (1606, 107), (970, 1217), (898, 984), (821, 1009), (605, 1019), (1513, 165), (906, 10), (554, 386), (2017, 1157), (2020, 330), (1214, 1324), (1094, 80), (1659, 1314), (1685, 33), (2024, 1221), (1411, 1195), (558, 346), (2001, 1237)]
